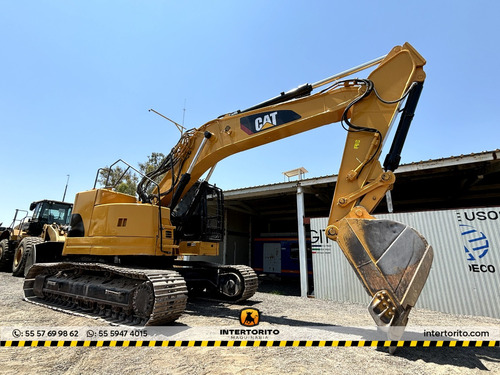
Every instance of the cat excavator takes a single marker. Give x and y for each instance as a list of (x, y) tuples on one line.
[(123, 258)]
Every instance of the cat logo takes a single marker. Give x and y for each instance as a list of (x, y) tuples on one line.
[(249, 317), (267, 120)]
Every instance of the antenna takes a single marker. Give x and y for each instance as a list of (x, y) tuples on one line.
[(66, 188), (181, 128), (184, 112)]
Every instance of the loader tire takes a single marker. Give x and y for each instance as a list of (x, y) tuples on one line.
[(23, 251), (5, 255)]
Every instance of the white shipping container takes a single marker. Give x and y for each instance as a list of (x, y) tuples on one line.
[(465, 275)]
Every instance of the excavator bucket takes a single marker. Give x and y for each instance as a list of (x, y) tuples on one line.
[(392, 260)]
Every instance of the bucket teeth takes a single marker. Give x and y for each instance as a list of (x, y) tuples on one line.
[(382, 308)]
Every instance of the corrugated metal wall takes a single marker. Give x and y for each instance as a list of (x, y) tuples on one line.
[(465, 275)]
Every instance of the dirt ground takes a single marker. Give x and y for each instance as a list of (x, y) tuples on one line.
[(279, 312)]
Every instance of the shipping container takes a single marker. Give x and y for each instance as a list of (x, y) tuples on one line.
[(279, 255)]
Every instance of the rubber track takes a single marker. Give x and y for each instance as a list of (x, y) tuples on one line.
[(170, 291)]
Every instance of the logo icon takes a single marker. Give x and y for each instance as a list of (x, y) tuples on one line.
[(476, 243), (265, 120), (249, 317)]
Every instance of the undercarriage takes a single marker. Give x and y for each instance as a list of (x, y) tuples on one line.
[(135, 296)]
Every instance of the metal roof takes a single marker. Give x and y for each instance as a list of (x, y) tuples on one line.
[(290, 186), (454, 182)]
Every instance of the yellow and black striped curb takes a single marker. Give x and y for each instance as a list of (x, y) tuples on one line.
[(81, 343)]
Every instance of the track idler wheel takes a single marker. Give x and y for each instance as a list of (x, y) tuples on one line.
[(143, 301), (230, 285)]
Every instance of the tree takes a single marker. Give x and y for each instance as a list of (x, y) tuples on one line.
[(118, 180), (151, 165), (154, 160), (125, 181)]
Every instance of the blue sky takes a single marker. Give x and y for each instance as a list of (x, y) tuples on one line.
[(78, 78)]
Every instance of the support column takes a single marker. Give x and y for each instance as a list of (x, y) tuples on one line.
[(302, 241)]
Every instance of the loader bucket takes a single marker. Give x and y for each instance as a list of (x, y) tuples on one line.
[(392, 260)]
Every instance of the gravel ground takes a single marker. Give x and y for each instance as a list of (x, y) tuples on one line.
[(287, 313)]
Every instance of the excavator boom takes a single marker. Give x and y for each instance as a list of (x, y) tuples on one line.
[(373, 104)]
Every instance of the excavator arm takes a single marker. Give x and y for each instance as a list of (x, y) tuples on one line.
[(391, 259)]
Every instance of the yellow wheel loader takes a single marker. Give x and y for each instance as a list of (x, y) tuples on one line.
[(50, 222), (121, 256)]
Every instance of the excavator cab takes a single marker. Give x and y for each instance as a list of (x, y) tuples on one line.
[(199, 216)]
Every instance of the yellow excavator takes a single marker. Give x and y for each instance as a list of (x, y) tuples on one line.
[(123, 255)]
